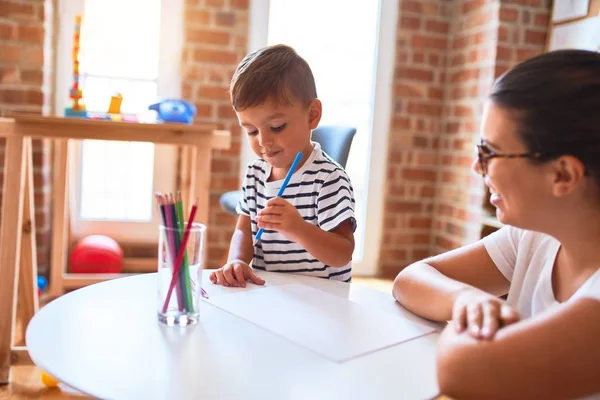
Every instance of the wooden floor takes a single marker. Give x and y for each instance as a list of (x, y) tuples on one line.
[(26, 382)]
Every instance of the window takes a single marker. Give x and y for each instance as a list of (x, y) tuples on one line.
[(113, 183), (350, 47)]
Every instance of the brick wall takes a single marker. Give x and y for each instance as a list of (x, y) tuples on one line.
[(216, 33), (24, 87), (471, 59), (448, 55), (419, 81)]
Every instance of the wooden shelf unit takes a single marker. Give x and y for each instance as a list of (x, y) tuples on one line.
[(18, 267)]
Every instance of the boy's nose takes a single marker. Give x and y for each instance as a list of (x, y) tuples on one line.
[(264, 138)]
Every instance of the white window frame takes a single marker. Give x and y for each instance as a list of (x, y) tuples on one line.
[(382, 111), (169, 86)]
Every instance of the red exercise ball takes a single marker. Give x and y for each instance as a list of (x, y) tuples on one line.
[(96, 254)]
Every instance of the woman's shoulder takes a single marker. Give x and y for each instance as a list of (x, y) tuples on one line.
[(524, 239)]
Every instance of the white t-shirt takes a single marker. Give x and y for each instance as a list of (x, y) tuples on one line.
[(321, 192), (526, 259)]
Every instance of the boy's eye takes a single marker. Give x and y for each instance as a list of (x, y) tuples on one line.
[(278, 128), (252, 133)]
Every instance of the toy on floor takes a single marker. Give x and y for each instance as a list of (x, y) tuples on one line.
[(174, 110), (77, 109), (96, 254), (48, 379)]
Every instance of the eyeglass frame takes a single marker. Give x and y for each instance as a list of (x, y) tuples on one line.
[(485, 154)]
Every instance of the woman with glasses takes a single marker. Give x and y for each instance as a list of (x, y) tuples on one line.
[(539, 155)]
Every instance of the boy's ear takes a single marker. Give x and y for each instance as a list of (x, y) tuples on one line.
[(315, 110)]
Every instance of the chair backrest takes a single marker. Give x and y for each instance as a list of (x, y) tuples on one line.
[(335, 140)]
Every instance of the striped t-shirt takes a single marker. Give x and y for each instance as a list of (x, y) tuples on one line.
[(321, 192)]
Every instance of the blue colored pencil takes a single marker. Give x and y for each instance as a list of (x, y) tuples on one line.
[(283, 186)]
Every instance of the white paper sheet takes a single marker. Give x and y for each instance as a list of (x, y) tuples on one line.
[(564, 10), (583, 34), (331, 326)]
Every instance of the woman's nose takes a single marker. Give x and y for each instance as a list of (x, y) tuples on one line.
[(476, 166)]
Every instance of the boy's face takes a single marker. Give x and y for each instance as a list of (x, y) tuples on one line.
[(277, 132)]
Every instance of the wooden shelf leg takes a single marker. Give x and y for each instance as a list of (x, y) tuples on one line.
[(60, 218), (28, 301), (10, 246)]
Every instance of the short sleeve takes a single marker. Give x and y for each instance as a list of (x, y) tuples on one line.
[(590, 288), (335, 202), (502, 246), (248, 186)]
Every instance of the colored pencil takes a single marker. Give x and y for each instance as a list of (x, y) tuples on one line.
[(282, 188)]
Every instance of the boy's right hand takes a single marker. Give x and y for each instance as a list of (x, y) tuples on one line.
[(235, 273)]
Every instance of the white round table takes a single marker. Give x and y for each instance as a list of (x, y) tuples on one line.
[(104, 340)]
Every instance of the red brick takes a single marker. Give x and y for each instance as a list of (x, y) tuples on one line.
[(541, 20), (435, 93), (418, 57), (9, 53), (523, 54), (9, 75), (30, 33), (33, 56), (420, 222), (226, 112), (207, 36), (407, 90), (508, 14), (535, 37), (8, 31), (402, 206), (419, 175), (32, 76), (504, 53), (472, 5), (463, 111), (197, 17), (17, 10), (239, 4), (437, 26), (414, 73), (460, 42), (204, 110), (225, 18), (401, 123), (425, 109), (410, 23), (427, 192), (412, 6), (215, 56), (429, 42)]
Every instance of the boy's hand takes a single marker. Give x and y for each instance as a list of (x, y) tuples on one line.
[(281, 216), (235, 273), (481, 314)]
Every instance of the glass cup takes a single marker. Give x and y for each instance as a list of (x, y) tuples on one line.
[(179, 284)]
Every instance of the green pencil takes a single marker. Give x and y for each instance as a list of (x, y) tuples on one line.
[(185, 270)]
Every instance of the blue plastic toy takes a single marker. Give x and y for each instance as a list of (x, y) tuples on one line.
[(42, 283), (174, 110)]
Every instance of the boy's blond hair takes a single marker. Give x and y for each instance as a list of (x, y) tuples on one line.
[(275, 73)]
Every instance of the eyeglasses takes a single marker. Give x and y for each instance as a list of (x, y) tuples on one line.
[(485, 154)]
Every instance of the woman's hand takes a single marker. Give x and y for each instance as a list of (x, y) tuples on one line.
[(481, 314)]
